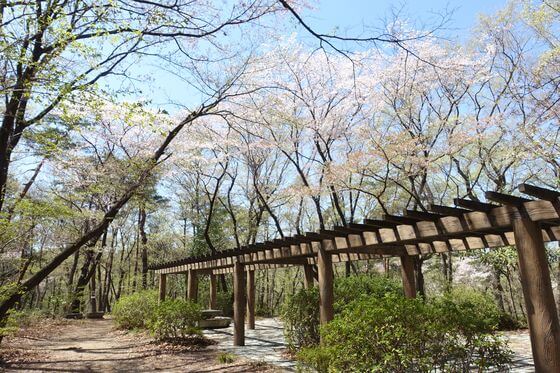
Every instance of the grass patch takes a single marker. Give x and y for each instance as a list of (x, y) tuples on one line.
[(226, 358)]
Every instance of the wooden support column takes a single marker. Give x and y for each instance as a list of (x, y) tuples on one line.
[(192, 285), (251, 299), (239, 304), (542, 316), (326, 296), (308, 272), (213, 285), (162, 286), (407, 273)]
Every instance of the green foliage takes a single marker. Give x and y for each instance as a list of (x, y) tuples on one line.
[(20, 319), (396, 334), (348, 289), (470, 310), (300, 313), (10, 325), (226, 358), (175, 319), (135, 310), (224, 301)]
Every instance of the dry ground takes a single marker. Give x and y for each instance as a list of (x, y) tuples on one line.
[(94, 346)]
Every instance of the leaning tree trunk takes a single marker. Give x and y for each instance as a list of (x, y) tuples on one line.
[(78, 291), (10, 301), (86, 272)]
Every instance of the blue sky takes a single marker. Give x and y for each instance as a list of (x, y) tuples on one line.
[(353, 13), (342, 16)]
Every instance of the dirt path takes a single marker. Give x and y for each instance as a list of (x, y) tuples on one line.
[(94, 346)]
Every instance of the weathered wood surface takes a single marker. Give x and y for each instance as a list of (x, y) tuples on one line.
[(408, 279), (375, 238), (308, 280), (251, 299), (162, 286), (326, 276), (213, 301), (192, 285), (542, 315), (239, 304)]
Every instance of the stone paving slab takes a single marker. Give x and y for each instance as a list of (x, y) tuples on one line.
[(267, 344), (520, 343)]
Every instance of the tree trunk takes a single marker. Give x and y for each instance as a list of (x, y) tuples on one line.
[(143, 242), (419, 277)]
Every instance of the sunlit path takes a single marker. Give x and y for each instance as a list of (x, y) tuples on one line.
[(265, 343)]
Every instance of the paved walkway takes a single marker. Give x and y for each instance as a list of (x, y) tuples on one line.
[(266, 343), (520, 344)]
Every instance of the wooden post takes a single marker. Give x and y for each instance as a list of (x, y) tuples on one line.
[(162, 286), (308, 272), (325, 271), (251, 299), (192, 286), (239, 304), (213, 303), (542, 317), (407, 273)]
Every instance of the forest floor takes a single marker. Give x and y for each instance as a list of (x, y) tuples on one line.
[(95, 346)]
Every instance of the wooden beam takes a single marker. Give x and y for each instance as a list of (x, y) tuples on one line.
[(542, 315), (505, 199), (538, 192), (192, 285), (458, 229), (474, 205), (379, 223), (399, 219), (422, 215), (212, 304), (162, 286), (308, 273), (326, 292), (251, 299), (239, 304), (448, 210), (407, 273)]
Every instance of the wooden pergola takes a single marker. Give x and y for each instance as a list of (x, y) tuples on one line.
[(526, 223)]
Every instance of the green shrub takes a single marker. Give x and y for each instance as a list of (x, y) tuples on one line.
[(175, 319), (470, 310), (396, 334), (226, 358), (349, 289), (300, 314), (135, 310), (224, 302), (10, 325)]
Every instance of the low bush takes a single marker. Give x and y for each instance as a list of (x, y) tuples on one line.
[(349, 289), (224, 302), (392, 333), (300, 314), (226, 358), (135, 310), (469, 310), (175, 319)]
